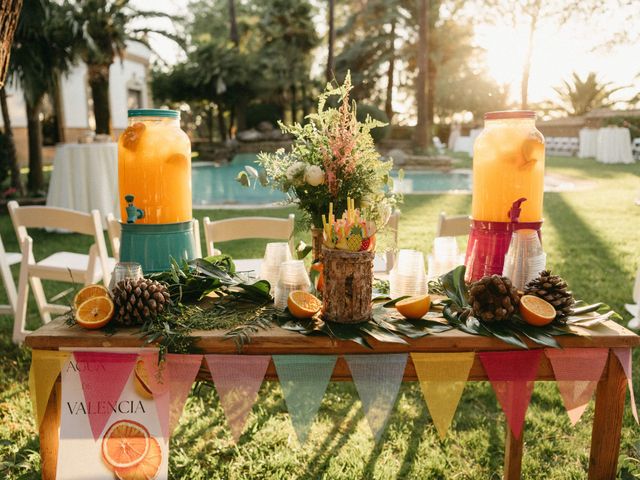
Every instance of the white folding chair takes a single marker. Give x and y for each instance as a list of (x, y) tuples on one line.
[(453, 226), (61, 266), (245, 228), (114, 231), (6, 260)]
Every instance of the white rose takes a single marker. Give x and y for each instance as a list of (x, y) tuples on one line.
[(314, 175), (294, 170)]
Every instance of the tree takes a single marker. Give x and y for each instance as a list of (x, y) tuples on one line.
[(9, 14), (422, 139), (42, 49), (331, 41), (579, 97), (103, 28), (530, 14)]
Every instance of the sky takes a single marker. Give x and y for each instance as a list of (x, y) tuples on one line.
[(558, 51)]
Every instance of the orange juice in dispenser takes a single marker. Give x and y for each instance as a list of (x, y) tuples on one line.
[(508, 187), (154, 179)]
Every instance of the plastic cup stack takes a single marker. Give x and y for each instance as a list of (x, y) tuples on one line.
[(274, 254), (525, 258), (408, 277), (445, 257), (293, 276)]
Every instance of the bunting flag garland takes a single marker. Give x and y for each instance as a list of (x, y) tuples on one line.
[(44, 370), (170, 382), (512, 376), (577, 372), (304, 379), (103, 377), (442, 378), (237, 379), (624, 356), (377, 379)]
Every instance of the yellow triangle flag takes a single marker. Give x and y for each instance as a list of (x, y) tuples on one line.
[(45, 368), (442, 379)]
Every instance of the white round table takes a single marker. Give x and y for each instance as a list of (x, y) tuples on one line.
[(85, 177), (614, 145), (588, 142)]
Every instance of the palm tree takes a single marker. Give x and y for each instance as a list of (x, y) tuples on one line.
[(422, 138), (41, 51), (580, 96), (103, 29)]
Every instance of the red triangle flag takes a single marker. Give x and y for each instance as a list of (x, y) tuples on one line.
[(577, 372), (103, 377), (512, 375)]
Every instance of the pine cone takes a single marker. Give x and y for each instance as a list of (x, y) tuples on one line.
[(554, 290), (137, 301), (493, 298)]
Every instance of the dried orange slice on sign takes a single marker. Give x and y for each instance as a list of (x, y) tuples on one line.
[(141, 381), (125, 444), (414, 308), (95, 312), (302, 304), (536, 311), (147, 469), (88, 292)]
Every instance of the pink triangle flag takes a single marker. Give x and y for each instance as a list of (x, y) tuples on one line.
[(103, 377), (577, 372), (170, 382), (512, 375), (237, 379), (624, 356)]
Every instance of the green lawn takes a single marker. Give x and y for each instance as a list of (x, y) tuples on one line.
[(592, 238)]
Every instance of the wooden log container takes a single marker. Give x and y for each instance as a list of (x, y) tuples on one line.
[(348, 276)]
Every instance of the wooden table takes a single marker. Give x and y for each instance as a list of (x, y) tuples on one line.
[(610, 394)]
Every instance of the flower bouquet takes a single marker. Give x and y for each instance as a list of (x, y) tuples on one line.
[(332, 158)]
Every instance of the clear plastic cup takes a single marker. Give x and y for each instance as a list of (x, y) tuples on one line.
[(525, 258), (408, 276), (275, 253), (293, 276), (124, 271)]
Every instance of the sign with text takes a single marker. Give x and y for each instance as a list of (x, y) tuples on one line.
[(130, 445)]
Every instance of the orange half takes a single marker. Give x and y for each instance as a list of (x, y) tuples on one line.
[(536, 311), (88, 292), (95, 312), (125, 444), (303, 304), (414, 308)]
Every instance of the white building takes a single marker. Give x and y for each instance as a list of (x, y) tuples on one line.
[(128, 88)]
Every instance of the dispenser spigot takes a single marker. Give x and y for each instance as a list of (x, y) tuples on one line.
[(133, 212), (514, 211)]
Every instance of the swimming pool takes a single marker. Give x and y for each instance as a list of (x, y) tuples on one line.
[(217, 185)]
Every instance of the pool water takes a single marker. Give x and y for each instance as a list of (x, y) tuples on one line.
[(217, 185)]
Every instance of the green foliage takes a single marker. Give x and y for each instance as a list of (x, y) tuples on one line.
[(380, 133), (4, 160), (579, 96), (333, 157)]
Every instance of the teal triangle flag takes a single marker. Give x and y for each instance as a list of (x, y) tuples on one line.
[(377, 379), (304, 379)]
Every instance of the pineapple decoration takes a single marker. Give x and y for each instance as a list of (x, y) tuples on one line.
[(554, 290), (493, 298), (351, 232), (138, 300)]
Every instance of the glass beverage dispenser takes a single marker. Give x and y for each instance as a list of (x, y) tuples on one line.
[(154, 179), (508, 188)]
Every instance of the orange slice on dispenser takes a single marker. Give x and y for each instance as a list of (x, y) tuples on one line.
[(536, 311), (125, 444), (131, 136), (95, 312), (147, 469), (88, 292), (414, 308), (303, 304)]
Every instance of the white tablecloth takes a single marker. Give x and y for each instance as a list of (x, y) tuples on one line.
[(614, 145), (85, 177), (588, 142)]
